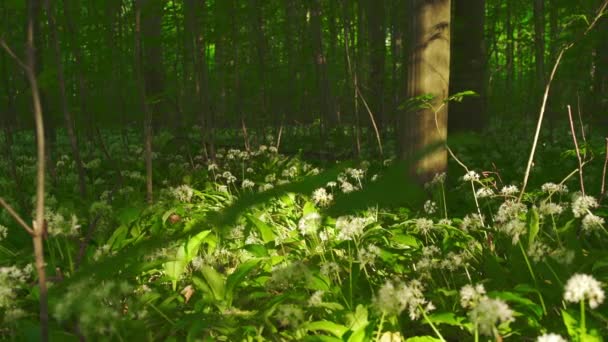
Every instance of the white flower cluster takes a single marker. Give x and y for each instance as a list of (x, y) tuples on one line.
[(470, 176), (551, 338), (247, 184), (367, 255), (484, 192), (584, 286), (182, 193), (554, 188), (509, 190), (289, 315), (484, 312), (582, 203), (395, 297), (321, 197), (11, 278), (430, 207), (424, 225), (310, 223), (349, 227)]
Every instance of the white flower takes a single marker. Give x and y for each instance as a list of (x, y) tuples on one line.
[(538, 251), (471, 221), (509, 210), (470, 296), (550, 208), (309, 223), (584, 286), (509, 190), (488, 312), (592, 222), (394, 297), (182, 193), (356, 173), (346, 187), (331, 184), (321, 197), (367, 255), (582, 203), (290, 315), (438, 178), (247, 184), (484, 192), (212, 167), (3, 232), (430, 207), (551, 338), (351, 227), (266, 186), (470, 176), (316, 299), (552, 187), (424, 225)]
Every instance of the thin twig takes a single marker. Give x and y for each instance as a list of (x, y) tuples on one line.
[(578, 153), (603, 192), (541, 115), (16, 216), (12, 54)]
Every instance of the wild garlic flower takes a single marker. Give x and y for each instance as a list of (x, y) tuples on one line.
[(310, 223), (247, 184), (356, 173), (592, 222), (349, 228), (489, 313), (509, 190), (347, 187), (554, 188), (330, 268), (367, 255), (430, 207), (321, 197), (289, 315), (395, 297), (424, 225), (273, 149), (316, 299), (582, 203), (182, 193), (584, 286), (439, 178), (470, 176), (550, 208), (538, 251), (229, 177), (510, 210), (212, 167), (551, 338), (287, 275), (331, 184), (265, 187), (3, 232), (471, 222), (471, 295), (484, 192)]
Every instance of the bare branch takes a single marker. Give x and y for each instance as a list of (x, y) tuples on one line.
[(16, 216)]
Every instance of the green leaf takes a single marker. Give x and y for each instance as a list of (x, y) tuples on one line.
[(533, 226), (237, 276), (266, 231), (458, 97), (358, 320), (571, 324), (215, 280), (522, 301), (423, 339), (185, 253), (448, 318), (330, 327)]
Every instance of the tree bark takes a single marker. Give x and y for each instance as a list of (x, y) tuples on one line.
[(428, 73)]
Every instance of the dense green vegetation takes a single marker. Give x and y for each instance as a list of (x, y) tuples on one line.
[(281, 170)]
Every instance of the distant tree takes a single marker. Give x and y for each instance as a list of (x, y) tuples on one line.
[(539, 46), (468, 66), (377, 50), (428, 73)]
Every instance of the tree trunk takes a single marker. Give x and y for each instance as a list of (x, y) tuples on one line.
[(468, 71), (428, 73), (510, 50), (320, 61), (377, 47), (539, 48), (67, 114)]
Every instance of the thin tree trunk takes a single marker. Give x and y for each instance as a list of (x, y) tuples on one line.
[(67, 115)]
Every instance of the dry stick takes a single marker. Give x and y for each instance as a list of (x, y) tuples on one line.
[(578, 153), (358, 91), (16, 216), (38, 228), (279, 136), (546, 96), (603, 191)]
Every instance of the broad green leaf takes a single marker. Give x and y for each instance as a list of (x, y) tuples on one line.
[(571, 324), (359, 335), (238, 276), (533, 226), (326, 326), (266, 231), (215, 280), (448, 318), (358, 319), (423, 339), (185, 253)]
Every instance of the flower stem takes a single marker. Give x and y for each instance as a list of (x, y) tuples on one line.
[(380, 327), (426, 318), (540, 296)]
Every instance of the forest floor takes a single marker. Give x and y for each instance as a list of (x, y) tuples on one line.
[(263, 245)]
